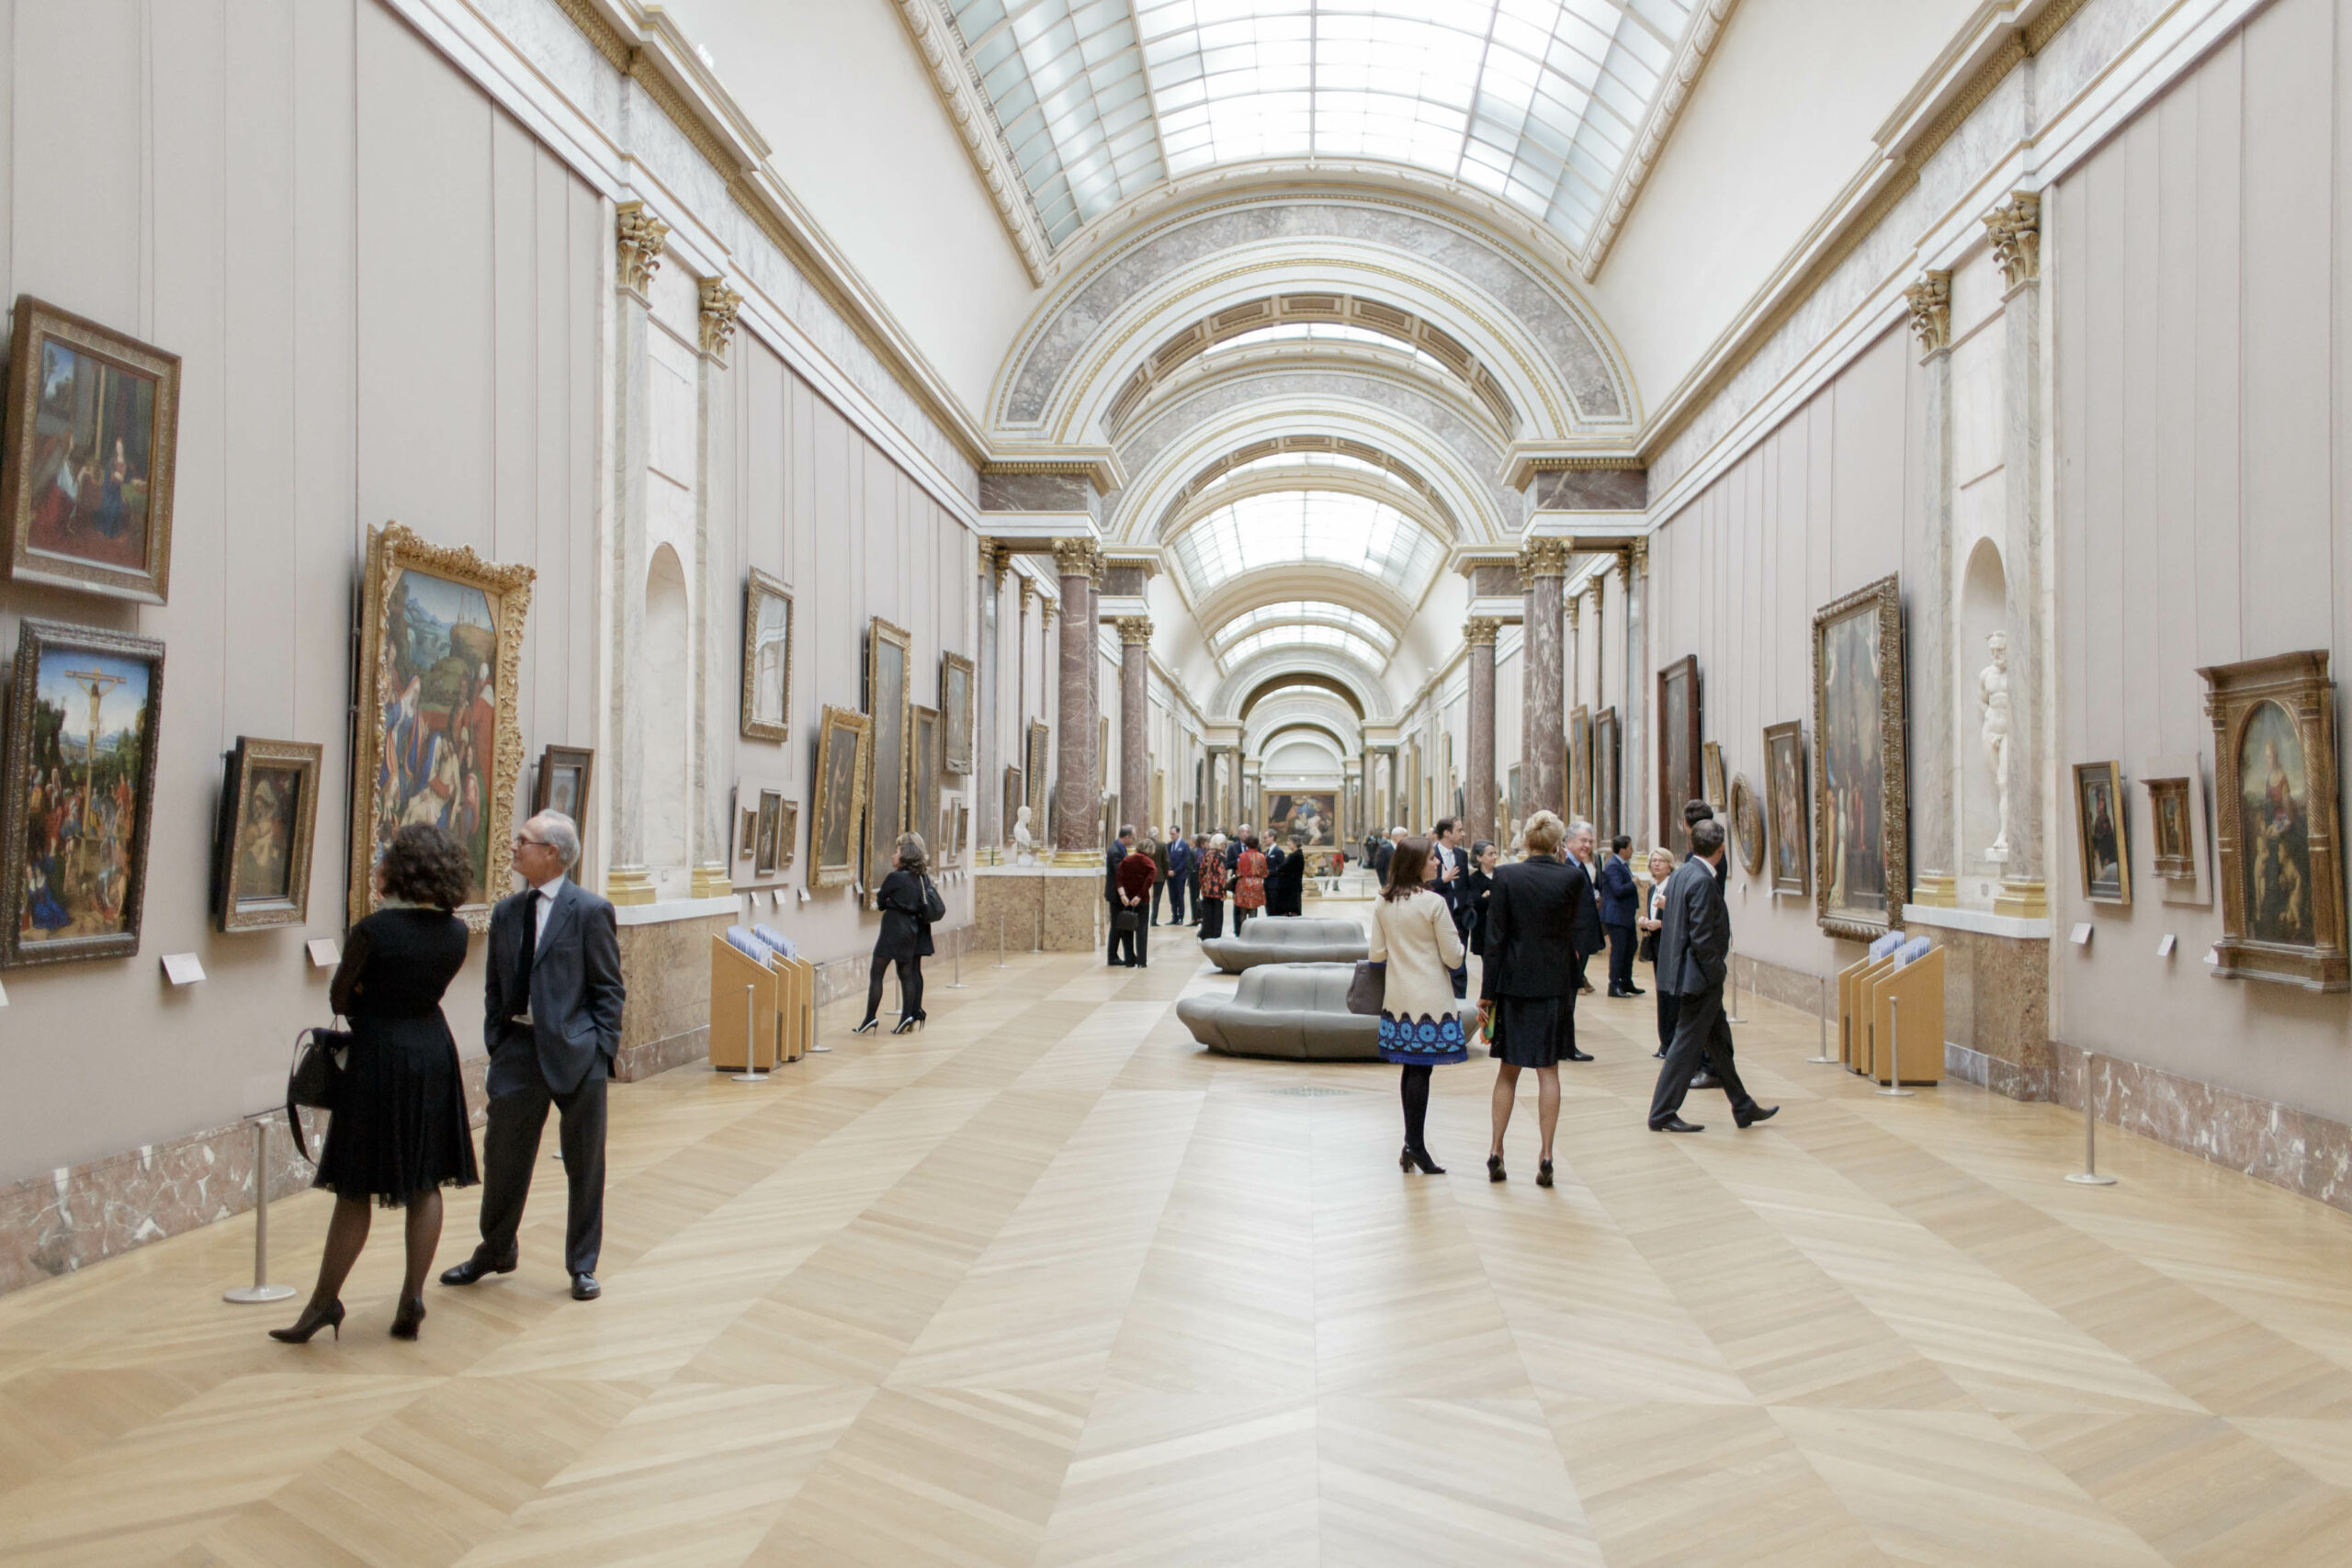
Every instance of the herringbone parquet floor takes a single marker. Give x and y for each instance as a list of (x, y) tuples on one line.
[(1046, 1284)]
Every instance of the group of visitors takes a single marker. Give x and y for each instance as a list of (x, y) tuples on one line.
[(1205, 872)]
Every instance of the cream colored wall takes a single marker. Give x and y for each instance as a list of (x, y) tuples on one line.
[(385, 296)]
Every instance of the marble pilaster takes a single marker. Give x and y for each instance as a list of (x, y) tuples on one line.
[(2015, 228), (1542, 566), (1934, 817), (639, 239), (1075, 801), (1479, 634), (1135, 720), (1633, 786), (715, 672), (987, 763)]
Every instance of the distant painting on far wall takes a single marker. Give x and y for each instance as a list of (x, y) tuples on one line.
[(1678, 750), (1784, 795), (1608, 806), (922, 783), (2099, 834), (2279, 821), (1580, 792), (845, 749), (887, 652), (86, 477), (955, 715), (1313, 817), (1863, 826)]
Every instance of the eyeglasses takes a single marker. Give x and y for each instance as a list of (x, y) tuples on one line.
[(523, 841)]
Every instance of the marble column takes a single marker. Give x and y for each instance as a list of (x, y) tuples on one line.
[(718, 670), (638, 236), (988, 741), (1135, 720), (1542, 566), (1098, 766), (1478, 788), (1934, 806), (2016, 231), (1634, 785), (1074, 802)]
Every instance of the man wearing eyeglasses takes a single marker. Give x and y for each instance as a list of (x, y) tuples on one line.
[(552, 997)]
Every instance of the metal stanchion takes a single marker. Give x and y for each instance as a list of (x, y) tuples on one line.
[(815, 1012), (2089, 1175), (261, 1290), (1000, 962), (751, 1073), (1824, 1057), (957, 983), (1732, 1016), (1040, 947), (1894, 1089)]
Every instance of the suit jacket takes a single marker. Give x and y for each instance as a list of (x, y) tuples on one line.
[(576, 991), (1232, 853), (1110, 859), (1694, 943), (1179, 860), (1160, 853), (1540, 919), (1286, 885), (1618, 898), (1382, 856)]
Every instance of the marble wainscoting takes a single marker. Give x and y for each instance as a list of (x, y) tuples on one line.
[(1052, 906), (1996, 998), (665, 964)]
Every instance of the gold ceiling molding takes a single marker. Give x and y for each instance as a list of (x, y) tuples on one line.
[(1665, 111), (1097, 466), (983, 138), (1526, 461)]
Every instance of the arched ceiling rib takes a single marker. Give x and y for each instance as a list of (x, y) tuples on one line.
[(1360, 688)]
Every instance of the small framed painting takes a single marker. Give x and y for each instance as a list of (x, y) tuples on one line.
[(1579, 764), (1784, 806), (1747, 825), (955, 715), (1717, 795), (767, 658), (562, 784), (767, 829), (2168, 825), (2099, 833), (261, 853), (2179, 826), (1679, 783), (922, 768), (1608, 811)]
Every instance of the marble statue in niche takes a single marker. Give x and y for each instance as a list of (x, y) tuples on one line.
[(1024, 848), (1993, 699)]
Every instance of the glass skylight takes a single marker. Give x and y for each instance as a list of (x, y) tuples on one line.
[(1354, 647), (1339, 460), (1286, 527), (1533, 101), (1303, 610), (1327, 331)]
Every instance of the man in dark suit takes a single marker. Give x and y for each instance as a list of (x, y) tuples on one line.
[(1387, 853), (1233, 847), (1620, 901), (551, 1016), (1693, 956), (1288, 881), (1179, 877)]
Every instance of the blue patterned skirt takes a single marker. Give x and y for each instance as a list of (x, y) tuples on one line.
[(1424, 1039)]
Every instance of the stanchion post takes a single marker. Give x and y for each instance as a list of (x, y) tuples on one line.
[(957, 983), (1894, 1089), (261, 1290), (1732, 1016), (751, 1073), (1000, 962), (2089, 1175), (1822, 1055)]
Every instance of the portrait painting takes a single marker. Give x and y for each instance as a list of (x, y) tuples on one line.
[(563, 784), (1311, 818), (2099, 833), (1861, 813), (956, 714), (86, 477), (1608, 809), (1679, 783), (83, 718), (261, 850), (1790, 851), (767, 855), (844, 750), (2168, 827), (1515, 810), (441, 636), (1041, 740), (767, 658), (922, 786), (888, 650), (1712, 754), (1580, 793), (1747, 825), (2277, 821)]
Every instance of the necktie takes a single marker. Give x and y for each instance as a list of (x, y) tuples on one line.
[(527, 950)]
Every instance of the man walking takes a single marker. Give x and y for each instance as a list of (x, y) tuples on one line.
[(1693, 955), (552, 999), (1620, 901)]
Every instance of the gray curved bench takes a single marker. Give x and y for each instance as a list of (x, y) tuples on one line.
[(1287, 939), (1298, 1012)]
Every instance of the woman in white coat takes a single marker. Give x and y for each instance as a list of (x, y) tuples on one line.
[(1412, 931)]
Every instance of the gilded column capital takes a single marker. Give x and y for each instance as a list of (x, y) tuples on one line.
[(1134, 631), (996, 560), (1028, 591), (1542, 558), (1931, 303), (1479, 631), (1077, 558), (2015, 228), (1638, 555), (1575, 607), (1045, 614), (719, 304), (640, 235)]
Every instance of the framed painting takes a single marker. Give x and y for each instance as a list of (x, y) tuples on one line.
[(1580, 792), (922, 764), (1861, 813), (767, 830), (562, 783), (1747, 825), (1718, 796), (79, 793), (1513, 810), (1679, 783), (1608, 807), (767, 658), (1015, 796), (956, 714), (2101, 845), (1312, 817), (2168, 827), (2278, 821), (261, 850), (2179, 826), (440, 646), (888, 650), (1041, 741), (1784, 807), (844, 752), (85, 473)]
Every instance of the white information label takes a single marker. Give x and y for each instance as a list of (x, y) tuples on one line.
[(804, 895), (2083, 934), (2213, 955), (3, 996), (2164, 948), (182, 968), (324, 952)]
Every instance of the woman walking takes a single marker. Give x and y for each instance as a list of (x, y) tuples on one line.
[(1412, 931), (1248, 883), (1527, 994), (1653, 923), (399, 1131), (1210, 906), (908, 904)]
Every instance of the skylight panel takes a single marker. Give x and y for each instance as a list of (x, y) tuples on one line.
[(1289, 527), (1300, 612), (1330, 637)]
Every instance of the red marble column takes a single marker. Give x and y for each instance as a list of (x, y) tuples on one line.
[(1479, 787), (1075, 806), (1134, 715), (1542, 566)]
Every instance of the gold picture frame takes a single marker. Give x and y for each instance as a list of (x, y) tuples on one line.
[(958, 721), (1786, 804), (2103, 840), (922, 768), (1746, 824), (562, 783), (1041, 741), (762, 847), (414, 696), (1861, 795), (261, 851), (767, 658), (889, 658), (1718, 794), (1580, 763), (844, 752), (2171, 841), (1678, 772), (1608, 805), (2278, 821)]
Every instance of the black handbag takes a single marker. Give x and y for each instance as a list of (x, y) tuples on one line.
[(316, 1078), (934, 907), (1648, 951), (1368, 989), (1127, 922)]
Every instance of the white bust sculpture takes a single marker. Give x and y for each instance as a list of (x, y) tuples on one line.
[(1993, 697), (1024, 847)]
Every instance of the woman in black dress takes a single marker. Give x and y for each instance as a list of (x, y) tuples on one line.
[(905, 901), (400, 1132), (1478, 887)]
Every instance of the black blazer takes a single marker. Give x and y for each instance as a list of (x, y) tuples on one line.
[(1477, 888), (1540, 919), (1621, 900), (905, 933), (1694, 943), (1112, 856), (576, 991)]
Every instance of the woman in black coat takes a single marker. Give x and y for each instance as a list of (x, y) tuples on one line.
[(400, 1132), (1477, 889), (906, 904), (1540, 917)]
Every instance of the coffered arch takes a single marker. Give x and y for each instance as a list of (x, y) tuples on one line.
[(1363, 692)]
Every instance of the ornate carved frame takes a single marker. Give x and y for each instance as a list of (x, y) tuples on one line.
[(2111, 772), (1580, 790), (236, 797), (394, 549), (924, 735), (882, 837), (1711, 769), (2299, 684), (1747, 836), (1674, 794), (1041, 741), (950, 761), (832, 724), (1792, 731), (1885, 598), (1608, 788), (758, 586)]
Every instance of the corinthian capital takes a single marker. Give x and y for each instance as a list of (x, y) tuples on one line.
[(640, 235), (1077, 558), (1134, 631), (719, 304), (2015, 227), (1542, 558), (1479, 631), (1930, 303)]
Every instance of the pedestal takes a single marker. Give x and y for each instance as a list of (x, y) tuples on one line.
[(1997, 997), (1019, 896)]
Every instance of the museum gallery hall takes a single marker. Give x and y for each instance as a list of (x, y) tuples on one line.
[(882, 783)]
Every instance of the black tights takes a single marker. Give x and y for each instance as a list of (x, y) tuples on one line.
[(909, 988), (348, 1228), (1414, 1088)]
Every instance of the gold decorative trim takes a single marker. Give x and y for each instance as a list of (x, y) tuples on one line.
[(673, 104), (1542, 558), (1479, 631), (626, 884), (719, 304), (710, 882), (1930, 304), (640, 235), (617, 50), (2015, 228), (1077, 558), (831, 723), (1134, 631)]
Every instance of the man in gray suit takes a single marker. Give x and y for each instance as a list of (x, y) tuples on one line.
[(1693, 955), (552, 999)]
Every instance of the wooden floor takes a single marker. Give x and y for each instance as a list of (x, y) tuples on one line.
[(1046, 1284)]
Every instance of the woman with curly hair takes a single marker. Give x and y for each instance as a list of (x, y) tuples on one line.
[(1248, 883), (400, 1132), (1413, 933)]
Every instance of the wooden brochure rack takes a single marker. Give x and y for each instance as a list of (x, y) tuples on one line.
[(1867, 993), (775, 1026)]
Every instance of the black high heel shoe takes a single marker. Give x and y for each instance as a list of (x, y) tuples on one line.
[(404, 1321), (867, 1027), (906, 1025), (1544, 1173), (310, 1323), (1408, 1157), (1495, 1171)]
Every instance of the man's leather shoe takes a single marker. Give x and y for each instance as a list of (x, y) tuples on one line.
[(1762, 1113), (473, 1269), (1575, 1055), (585, 1287), (1635, 991), (1676, 1124), (1706, 1080)]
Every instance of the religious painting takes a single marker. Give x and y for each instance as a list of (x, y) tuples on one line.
[(1717, 795), (1608, 807), (844, 752), (767, 823), (955, 715), (1784, 805), (79, 791), (2168, 826), (2282, 882), (1747, 825), (1041, 741), (563, 784), (1862, 815), (441, 638), (1313, 819), (2099, 833), (261, 849), (85, 476), (1580, 792), (767, 658), (922, 783), (888, 650), (1015, 797), (1679, 783)]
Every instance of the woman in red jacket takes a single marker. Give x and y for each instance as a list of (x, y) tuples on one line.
[(1135, 877), (1209, 903), (1248, 883)]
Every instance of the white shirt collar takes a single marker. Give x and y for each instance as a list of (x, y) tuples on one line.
[(553, 885), (1706, 866)]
